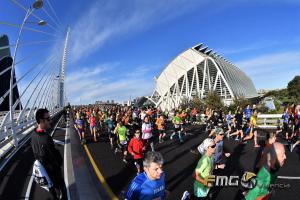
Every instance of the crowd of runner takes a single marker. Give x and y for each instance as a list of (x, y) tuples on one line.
[(135, 130)]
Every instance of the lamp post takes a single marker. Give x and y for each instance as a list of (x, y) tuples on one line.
[(36, 5)]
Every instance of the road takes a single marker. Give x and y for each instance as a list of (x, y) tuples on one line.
[(179, 164)]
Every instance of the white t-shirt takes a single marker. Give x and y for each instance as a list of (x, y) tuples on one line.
[(146, 131)]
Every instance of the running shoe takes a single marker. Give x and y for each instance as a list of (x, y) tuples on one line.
[(172, 136), (237, 139), (124, 160), (116, 151), (186, 195)]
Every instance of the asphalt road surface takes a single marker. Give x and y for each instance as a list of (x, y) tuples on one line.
[(179, 164)]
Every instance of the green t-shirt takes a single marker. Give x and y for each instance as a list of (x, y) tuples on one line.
[(122, 133), (263, 180), (204, 168), (177, 120)]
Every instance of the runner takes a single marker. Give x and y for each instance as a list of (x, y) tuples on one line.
[(136, 148), (194, 115), (160, 123), (177, 125), (285, 128), (218, 162), (80, 126), (229, 123), (93, 127), (271, 139), (120, 131), (296, 121), (111, 124), (274, 159), (151, 183), (204, 168), (147, 132), (238, 120), (253, 131), (184, 120), (248, 113)]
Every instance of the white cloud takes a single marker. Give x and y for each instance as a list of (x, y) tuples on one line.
[(85, 72), (250, 47), (105, 21), (87, 87), (272, 70)]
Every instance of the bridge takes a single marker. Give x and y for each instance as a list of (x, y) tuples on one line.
[(94, 171)]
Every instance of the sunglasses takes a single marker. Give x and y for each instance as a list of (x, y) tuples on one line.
[(213, 146)]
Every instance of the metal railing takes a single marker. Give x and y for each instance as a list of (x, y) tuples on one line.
[(43, 75)]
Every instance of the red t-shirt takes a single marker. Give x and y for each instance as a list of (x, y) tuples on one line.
[(136, 146)]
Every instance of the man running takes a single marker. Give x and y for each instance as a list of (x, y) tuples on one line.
[(120, 131), (204, 168), (248, 113), (160, 123), (136, 148), (238, 120), (274, 159), (253, 130), (285, 128), (177, 121), (111, 124), (150, 184)]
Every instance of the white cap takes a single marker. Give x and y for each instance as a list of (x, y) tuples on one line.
[(204, 145)]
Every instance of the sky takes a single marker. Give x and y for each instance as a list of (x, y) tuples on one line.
[(116, 47)]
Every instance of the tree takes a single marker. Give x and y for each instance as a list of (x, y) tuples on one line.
[(214, 101), (195, 102), (294, 88), (239, 102)]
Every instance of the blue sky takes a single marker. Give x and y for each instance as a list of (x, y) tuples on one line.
[(117, 47)]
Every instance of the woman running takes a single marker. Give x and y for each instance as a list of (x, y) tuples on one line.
[(147, 132)]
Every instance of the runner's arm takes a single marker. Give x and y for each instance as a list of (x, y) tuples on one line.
[(133, 192), (130, 150)]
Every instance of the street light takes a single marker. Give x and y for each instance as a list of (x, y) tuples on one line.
[(36, 5), (40, 23)]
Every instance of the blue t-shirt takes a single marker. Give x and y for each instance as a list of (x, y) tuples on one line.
[(142, 188), (218, 152), (110, 124), (229, 119), (285, 117), (80, 122), (248, 113)]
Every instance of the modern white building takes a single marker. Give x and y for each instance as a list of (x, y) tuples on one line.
[(195, 72)]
